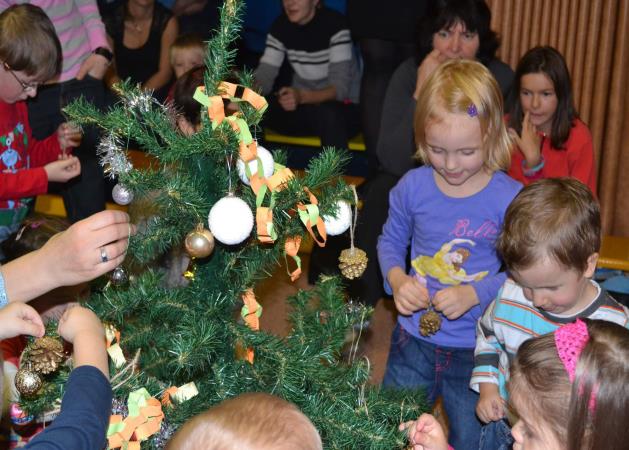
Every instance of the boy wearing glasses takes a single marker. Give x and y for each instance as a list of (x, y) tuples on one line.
[(30, 54)]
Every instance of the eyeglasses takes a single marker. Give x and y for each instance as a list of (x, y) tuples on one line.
[(25, 86)]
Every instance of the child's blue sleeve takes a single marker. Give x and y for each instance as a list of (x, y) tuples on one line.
[(396, 234), (84, 418)]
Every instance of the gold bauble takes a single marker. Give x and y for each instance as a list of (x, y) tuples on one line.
[(27, 382), (352, 262), (429, 323), (199, 243)]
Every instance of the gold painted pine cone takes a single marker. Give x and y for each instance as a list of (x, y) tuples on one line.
[(45, 355), (429, 323), (352, 262)]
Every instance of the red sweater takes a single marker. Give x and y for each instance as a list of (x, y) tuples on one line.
[(21, 157), (576, 160)]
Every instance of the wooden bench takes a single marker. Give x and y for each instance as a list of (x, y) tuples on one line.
[(614, 253), (356, 143)]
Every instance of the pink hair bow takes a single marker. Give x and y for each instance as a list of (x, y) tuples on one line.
[(570, 340)]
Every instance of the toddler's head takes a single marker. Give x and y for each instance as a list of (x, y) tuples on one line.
[(544, 90), (187, 52), (550, 241), (459, 128), (562, 405), (252, 421), (30, 52)]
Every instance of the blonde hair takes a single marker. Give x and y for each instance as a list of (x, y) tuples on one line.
[(455, 87), (187, 41), (251, 421)]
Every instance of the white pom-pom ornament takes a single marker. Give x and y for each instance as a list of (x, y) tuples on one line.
[(338, 225), (230, 220), (267, 165)]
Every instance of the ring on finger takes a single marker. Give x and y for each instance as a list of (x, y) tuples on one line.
[(103, 255)]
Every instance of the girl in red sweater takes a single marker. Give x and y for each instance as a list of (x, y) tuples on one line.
[(551, 140)]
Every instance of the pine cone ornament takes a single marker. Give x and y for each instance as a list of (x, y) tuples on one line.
[(352, 262), (429, 323), (45, 355)]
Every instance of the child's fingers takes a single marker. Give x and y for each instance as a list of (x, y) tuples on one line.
[(32, 329)]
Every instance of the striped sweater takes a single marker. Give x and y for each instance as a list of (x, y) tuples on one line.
[(511, 319), (78, 26), (319, 52)]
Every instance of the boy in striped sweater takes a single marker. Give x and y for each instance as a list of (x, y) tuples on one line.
[(322, 97), (549, 245)]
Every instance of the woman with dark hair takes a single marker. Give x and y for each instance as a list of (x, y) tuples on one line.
[(551, 140), (451, 29)]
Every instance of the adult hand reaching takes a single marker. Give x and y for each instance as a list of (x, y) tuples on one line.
[(86, 250)]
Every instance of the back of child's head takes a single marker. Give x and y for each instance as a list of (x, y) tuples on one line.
[(464, 87), (548, 61), (190, 43), (556, 218), (183, 95), (475, 15), (252, 421), (28, 42), (589, 412)]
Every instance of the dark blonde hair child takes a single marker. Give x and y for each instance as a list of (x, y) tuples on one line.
[(187, 52), (549, 244), (29, 43), (449, 212), (252, 421), (571, 385), (556, 218), (568, 391)]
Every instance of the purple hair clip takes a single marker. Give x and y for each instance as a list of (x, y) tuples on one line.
[(472, 111)]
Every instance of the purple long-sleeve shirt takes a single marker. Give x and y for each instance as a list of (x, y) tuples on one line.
[(451, 242)]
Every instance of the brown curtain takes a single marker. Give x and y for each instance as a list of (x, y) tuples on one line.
[(593, 36)]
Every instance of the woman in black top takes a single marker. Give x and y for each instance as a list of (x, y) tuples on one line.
[(141, 33)]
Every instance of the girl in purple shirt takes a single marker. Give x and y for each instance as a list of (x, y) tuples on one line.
[(449, 212)]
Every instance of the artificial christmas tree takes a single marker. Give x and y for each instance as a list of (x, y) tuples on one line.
[(193, 346)]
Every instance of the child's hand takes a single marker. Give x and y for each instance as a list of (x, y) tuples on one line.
[(455, 301), (409, 294), (426, 433), (490, 406), (18, 318), (69, 135), (289, 98), (529, 142), (74, 255), (64, 169), (79, 321)]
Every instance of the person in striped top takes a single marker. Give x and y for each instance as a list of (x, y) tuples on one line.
[(322, 97), (549, 244)]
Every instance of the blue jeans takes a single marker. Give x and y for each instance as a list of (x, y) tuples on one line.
[(444, 371), (496, 436)]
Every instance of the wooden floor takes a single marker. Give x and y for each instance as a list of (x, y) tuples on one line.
[(273, 292)]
